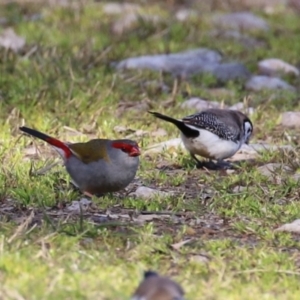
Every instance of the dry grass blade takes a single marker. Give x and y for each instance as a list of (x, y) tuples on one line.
[(177, 246), (22, 228)]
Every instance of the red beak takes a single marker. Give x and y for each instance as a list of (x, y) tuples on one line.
[(135, 151)]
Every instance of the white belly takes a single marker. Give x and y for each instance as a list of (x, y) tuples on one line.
[(209, 145)]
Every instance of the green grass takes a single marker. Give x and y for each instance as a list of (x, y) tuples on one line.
[(67, 88)]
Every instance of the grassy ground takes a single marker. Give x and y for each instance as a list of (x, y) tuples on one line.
[(62, 83)]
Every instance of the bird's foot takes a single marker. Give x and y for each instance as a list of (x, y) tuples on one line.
[(98, 195), (210, 165), (219, 165), (225, 165)]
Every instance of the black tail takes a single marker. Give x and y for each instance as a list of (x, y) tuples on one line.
[(186, 130), (36, 133)]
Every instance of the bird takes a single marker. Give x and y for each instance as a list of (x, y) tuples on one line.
[(156, 287), (98, 166), (213, 133)]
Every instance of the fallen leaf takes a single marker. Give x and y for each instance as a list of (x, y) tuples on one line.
[(190, 231)]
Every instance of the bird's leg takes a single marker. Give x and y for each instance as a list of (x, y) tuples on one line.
[(220, 165), (88, 194), (199, 163), (195, 158), (204, 164), (211, 165)]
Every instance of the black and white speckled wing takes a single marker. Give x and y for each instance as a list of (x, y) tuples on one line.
[(221, 125)]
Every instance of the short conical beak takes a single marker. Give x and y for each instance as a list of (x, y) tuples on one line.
[(135, 151)]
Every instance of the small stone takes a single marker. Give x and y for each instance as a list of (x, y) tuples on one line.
[(3, 21), (202, 259), (128, 21), (147, 193), (184, 63), (274, 66), (239, 189), (243, 21), (76, 206), (10, 40), (230, 171), (243, 108), (199, 104), (291, 119), (185, 14), (296, 177), (112, 8), (231, 71), (272, 169), (122, 129), (237, 106), (237, 36), (244, 153), (290, 227), (188, 63), (266, 6), (258, 83)]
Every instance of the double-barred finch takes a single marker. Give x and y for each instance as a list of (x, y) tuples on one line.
[(155, 287), (215, 134), (98, 166)]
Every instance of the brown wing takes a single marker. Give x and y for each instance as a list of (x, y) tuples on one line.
[(90, 151)]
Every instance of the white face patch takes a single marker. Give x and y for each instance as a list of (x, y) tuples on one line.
[(247, 131)]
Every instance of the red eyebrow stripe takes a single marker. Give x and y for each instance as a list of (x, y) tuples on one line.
[(120, 145), (128, 148)]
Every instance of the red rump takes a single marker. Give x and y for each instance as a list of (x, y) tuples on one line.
[(50, 140), (58, 144)]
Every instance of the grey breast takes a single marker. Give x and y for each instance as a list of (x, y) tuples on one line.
[(100, 176)]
